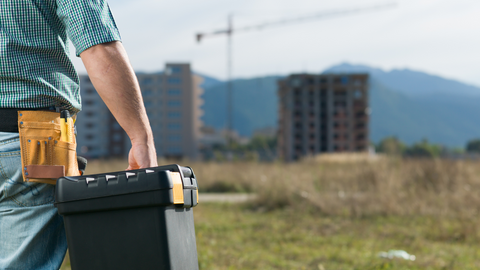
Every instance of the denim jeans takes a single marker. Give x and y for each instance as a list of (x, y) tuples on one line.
[(32, 234)]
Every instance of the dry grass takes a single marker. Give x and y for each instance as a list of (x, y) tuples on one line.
[(352, 186), (345, 186), (383, 186)]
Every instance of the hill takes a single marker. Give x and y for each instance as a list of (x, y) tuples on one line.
[(414, 105), (254, 104), (410, 105), (450, 123), (411, 83), (208, 81)]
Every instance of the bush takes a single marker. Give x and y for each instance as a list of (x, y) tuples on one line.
[(391, 146), (424, 150)]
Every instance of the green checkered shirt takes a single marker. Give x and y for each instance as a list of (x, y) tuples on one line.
[(35, 68)]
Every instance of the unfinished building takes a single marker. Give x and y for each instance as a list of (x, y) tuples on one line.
[(322, 114)]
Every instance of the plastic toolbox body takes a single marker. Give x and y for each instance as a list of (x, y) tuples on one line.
[(139, 219)]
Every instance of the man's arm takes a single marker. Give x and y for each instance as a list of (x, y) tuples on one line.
[(110, 71)]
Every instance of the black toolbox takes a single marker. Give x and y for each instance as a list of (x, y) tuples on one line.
[(139, 219)]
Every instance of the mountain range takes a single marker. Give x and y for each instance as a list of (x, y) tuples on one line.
[(411, 105)]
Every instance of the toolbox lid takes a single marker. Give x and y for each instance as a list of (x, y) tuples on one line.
[(180, 180)]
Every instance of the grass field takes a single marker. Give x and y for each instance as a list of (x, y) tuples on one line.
[(334, 214)]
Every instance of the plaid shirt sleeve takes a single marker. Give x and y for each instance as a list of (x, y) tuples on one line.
[(87, 23)]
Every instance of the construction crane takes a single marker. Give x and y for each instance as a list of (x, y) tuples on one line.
[(229, 31)]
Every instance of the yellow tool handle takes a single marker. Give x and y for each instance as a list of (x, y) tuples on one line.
[(69, 126), (63, 130)]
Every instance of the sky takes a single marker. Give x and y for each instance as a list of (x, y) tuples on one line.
[(440, 37)]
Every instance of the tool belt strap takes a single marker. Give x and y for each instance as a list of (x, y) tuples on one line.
[(9, 117)]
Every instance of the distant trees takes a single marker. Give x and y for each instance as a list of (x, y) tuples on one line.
[(257, 143), (261, 143), (423, 149), (391, 146), (257, 148), (473, 146)]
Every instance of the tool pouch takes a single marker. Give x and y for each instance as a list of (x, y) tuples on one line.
[(44, 157)]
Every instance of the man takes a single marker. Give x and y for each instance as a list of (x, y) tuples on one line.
[(36, 73)]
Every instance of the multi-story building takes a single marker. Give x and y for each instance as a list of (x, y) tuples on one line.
[(172, 100), (93, 137), (322, 113)]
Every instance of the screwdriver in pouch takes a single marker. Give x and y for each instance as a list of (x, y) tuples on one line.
[(66, 124)]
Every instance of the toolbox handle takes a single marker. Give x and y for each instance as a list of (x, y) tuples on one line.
[(186, 172), (90, 179)]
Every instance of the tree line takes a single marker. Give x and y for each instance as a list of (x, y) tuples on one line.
[(393, 146)]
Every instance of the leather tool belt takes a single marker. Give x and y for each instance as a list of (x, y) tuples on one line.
[(45, 156)]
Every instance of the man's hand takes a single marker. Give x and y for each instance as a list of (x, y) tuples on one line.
[(142, 156), (115, 81)]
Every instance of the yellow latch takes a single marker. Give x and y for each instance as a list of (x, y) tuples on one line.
[(177, 188)]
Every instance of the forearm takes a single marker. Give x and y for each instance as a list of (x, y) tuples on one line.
[(115, 81)]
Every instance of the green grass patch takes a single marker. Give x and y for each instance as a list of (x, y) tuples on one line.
[(231, 236)]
